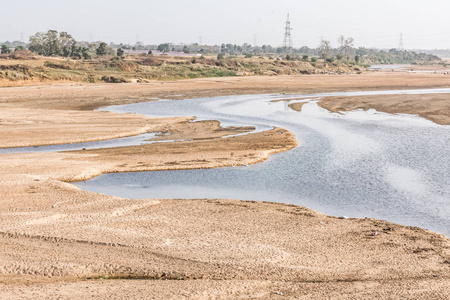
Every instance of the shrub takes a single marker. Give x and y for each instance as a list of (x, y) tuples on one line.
[(5, 49), (151, 61), (112, 79), (54, 65)]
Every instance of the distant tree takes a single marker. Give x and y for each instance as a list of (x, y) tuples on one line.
[(325, 49), (186, 49), (361, 51), (341, 42), (346, 45), (52, 44), (101, 49), (77, 52), (150, 52), (68, 44), (220, 56), (19, 48), (38, 43), (164, 47), (86, 53), (5, 49), (120, 52), (305, 57)]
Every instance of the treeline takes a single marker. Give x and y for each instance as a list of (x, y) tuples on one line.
[(63, 44), (394, 56)]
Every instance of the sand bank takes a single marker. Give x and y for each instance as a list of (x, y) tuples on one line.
[(55, 236)]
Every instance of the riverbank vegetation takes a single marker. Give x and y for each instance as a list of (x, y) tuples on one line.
[(54, 56)]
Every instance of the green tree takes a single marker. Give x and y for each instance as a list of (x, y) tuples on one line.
[(5, 49), (86, 53), (101, 49), (37, 42), (186, 49), (19, 48), (164, 47), (68, 44), (120, 52), (52, 44), (77, 52)]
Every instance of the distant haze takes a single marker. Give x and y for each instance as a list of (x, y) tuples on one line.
[(425, 24)]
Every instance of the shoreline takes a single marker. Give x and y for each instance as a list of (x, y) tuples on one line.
[(253, 242)]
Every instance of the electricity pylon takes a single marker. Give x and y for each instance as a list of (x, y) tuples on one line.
[(400, 44), (287, 42)]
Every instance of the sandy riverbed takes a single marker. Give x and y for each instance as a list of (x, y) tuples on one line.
[(54, 236)]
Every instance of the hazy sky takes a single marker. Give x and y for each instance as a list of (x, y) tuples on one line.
[(374, 23)]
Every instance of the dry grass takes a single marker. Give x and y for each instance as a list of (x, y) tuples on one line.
[(143, 67)]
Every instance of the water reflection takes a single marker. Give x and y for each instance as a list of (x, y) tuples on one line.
[(358, 164)]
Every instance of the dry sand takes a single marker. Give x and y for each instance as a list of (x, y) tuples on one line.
[(435, 107), (86, 97), (54, 236)]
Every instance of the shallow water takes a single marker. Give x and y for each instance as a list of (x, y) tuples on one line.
[(119, 142), (384, 67), (357, 164)]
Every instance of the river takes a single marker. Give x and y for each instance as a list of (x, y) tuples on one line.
[(355, 164)]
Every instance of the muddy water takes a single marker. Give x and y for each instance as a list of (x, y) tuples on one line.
[(357, 164)]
